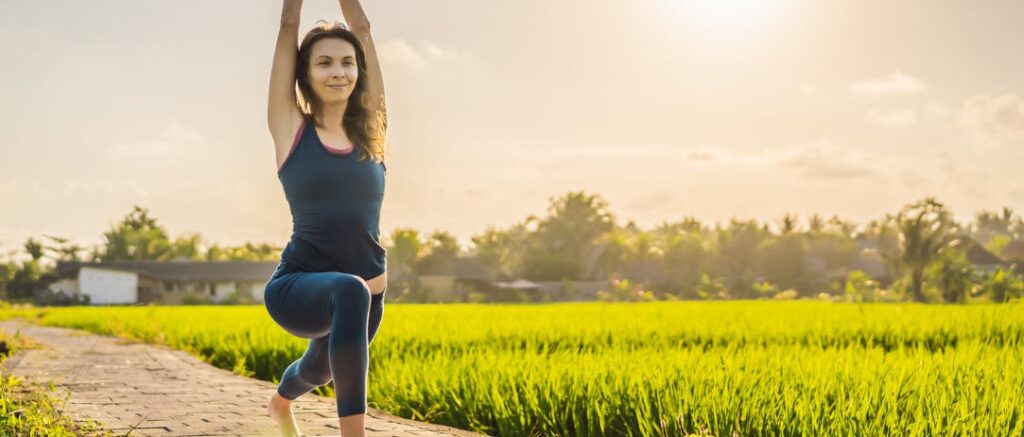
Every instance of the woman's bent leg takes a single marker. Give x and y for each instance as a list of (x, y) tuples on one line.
[(314, 369), (332, 305)]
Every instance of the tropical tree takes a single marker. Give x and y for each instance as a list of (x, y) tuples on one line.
[(925, 227), (63, 249), (441, 249), (406, 247), (137, 237), (501, 251), (574, 224), (952, 274)]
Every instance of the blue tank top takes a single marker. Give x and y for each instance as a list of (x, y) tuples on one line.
[(335, 201)]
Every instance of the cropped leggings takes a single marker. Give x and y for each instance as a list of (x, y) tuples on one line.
[(340, 317)]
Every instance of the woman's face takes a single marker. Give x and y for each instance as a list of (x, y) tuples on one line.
[(332, 70)]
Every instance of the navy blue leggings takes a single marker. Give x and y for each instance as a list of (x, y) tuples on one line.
[(340, 317)]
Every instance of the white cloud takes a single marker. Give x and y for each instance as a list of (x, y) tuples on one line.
[(418, 56), (819, 159), (822, 159), (993, 120), (176, 142), (897, 117), (895, 82), (704, 156)]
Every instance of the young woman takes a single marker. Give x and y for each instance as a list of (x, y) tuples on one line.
[(329, 286)]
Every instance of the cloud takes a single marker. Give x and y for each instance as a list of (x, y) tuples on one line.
[(419, 56), (175, 143), (823, 160), (703, 156), (897, 117), (606, 150), (993, 120), (820, 160), (894, 83)]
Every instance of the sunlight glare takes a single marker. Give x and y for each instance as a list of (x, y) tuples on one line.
[(728, 15)]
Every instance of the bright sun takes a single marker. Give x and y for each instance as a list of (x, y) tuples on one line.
[(728, 15)]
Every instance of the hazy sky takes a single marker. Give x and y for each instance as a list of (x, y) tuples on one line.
[(667, 108)]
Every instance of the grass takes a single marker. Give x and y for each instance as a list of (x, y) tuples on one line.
[(658, 368), (29, 409)]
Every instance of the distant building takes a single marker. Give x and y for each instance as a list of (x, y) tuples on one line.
[(981, 258), (130, 282), (452, 281)]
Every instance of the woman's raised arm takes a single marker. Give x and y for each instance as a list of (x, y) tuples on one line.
[(283, 116), (356, 19)]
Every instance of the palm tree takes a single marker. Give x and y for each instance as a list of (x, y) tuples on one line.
[(925, 227), (788, 223)]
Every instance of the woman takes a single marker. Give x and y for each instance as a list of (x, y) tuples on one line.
[(329, 286)]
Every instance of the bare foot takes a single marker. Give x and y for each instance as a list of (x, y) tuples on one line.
[(280, 409)]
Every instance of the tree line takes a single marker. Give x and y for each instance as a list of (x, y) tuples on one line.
[(922, 251)]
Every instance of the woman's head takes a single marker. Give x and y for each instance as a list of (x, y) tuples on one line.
[(331, 68)]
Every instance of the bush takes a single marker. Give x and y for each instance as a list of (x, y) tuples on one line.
[(786, 295), (765, 289), (1001, 286), (196, 298), (624, 290), (32, 410), (861, 288)]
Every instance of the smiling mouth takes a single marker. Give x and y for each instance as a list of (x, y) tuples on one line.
[(337, 86)]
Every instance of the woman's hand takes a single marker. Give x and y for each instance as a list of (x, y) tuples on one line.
[(356, 19)]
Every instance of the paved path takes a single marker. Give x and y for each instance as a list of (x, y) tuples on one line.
[(161, 391)]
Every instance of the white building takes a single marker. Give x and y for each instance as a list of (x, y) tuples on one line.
[(129, 282)]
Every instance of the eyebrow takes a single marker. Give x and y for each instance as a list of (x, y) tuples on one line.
[(328, 57)]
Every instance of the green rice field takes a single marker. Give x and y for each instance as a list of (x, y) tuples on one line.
[(660, 368)]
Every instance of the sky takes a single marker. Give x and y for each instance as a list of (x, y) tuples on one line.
[(666, 108)]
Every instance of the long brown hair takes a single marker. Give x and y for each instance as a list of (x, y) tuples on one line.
[(365, 122)]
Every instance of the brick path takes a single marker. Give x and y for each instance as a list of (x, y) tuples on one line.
[(166, 392)]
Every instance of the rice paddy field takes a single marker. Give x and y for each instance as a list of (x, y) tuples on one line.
[(658, 368)]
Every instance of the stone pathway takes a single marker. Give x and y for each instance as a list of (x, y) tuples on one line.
[(154, 390)]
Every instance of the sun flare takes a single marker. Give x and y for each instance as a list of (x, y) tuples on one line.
[(728, 15)]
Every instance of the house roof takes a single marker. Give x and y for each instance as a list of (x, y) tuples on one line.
[(181, 270), (518, 283), (461, 267), (976, 253)]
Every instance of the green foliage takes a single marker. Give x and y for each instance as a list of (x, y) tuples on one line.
[(568, 289), (784, 260), (926, 227), (137, 237), (441, 250), (32, 410), (712, 288), (765, 289), (951, 276), (861, 288), (574, 223), (594, 369), (405, 249), (1001, 286), (620, 290), (786, 295)]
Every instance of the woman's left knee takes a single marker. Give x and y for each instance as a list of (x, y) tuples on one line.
[(351, 290)]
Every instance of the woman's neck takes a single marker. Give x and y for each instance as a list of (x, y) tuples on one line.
[(332, 116)]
